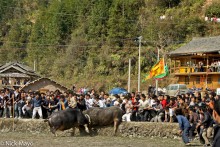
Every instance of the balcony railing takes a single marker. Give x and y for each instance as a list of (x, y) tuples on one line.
[(188, 70)]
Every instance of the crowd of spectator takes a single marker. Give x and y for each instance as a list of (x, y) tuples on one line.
[(199, 67), (213, 67), (194, 107)]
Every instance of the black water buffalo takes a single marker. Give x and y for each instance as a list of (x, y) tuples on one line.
[(104, 116), (66, 119)]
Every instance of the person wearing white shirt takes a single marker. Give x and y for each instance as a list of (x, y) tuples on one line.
[(218, 70), (102, 103), (143, 108), (128, 110), (117, 103), (89, 101)]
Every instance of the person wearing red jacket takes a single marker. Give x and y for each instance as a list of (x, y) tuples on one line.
[(164, 101), (134, 102)]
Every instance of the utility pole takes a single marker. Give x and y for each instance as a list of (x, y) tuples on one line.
[(34, 65), (139, 64), (129, 76), (158, 58)]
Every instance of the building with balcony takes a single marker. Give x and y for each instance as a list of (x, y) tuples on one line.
[(197, 64)]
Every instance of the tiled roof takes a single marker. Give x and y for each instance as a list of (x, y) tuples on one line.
[(199, 45)]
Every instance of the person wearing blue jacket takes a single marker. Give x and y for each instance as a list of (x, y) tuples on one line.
[(63, 103), (36, 104), (184, 125)]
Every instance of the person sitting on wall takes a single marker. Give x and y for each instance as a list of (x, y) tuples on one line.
[(143, 106), (128, 109)]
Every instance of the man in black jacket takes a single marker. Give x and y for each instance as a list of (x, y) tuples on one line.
[(216, 117), (81, 103)]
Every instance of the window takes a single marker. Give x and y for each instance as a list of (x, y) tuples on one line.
[(183, 87), (168, 87), (174, 87), (186, 80), (209, 80), (198, 80)]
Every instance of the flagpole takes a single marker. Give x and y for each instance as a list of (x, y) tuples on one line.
[(158, 58), (139, 64)]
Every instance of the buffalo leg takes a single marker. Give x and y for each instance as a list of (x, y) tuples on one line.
[(116, 124), (86, 127), (53, 130), (73, 131)]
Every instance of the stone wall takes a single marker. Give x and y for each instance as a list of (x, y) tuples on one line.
[(131, 129)]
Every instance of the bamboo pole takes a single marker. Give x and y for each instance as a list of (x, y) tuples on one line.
[(13, 113)]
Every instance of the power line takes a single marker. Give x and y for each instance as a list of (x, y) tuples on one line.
[(69, 14), (84, 46), (77, 46)]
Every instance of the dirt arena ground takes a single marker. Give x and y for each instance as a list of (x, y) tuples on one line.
[(48, 140)]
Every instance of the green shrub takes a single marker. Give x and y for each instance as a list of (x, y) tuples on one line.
[(213, 10)]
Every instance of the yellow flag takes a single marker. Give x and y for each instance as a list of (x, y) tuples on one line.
[(157, 69)]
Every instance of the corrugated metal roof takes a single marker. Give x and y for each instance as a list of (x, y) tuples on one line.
[(199, 45)]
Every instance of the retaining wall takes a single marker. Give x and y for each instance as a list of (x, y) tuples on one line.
[(130, 129)]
